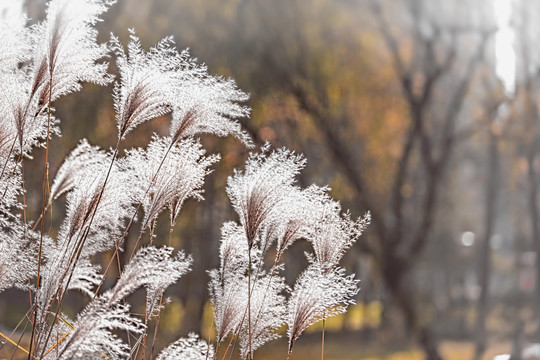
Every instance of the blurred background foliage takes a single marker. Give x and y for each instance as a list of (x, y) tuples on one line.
[(397, 105)]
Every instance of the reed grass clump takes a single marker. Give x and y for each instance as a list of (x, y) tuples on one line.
[(105, 191)]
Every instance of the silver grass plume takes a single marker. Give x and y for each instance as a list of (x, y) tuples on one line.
[(228, 284), (228, 289), (229, 300), (61, 53), (299, 212), (206, 104), (163, 80), (233, 250), (66, 51), (14, 40), (318, 294), (115, 205), (190, 348), (85, 277), (333, 232), (93, 337), (109, 215), (256, 192), (152, 268), (182, 169), (268, 311), (18, 253), (22, 118), (145, 82), (74, 166)]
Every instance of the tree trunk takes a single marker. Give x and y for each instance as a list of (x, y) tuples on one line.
[(485, 250), (396, 274), (533, 213)]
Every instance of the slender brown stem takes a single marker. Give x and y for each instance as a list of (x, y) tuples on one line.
[(170, 235), (118, 263), (144, 335), (17, 346), (136, 244), (34, 322), (250, 355), (146, 311), (235, 337), (322, 346), (210, 339), (156, 328), (151, 235)]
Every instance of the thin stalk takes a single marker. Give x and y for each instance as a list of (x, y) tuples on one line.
[(34, 322), (235, 337), (216, 353), (170, 235), (156, 328), (210, 339), (135, 348), (143, 339), (249, 304), (151, 235), (46, 176), (136, 244), (38, 220), (146, 314), (119, 264), (322, 343), (22, 334)]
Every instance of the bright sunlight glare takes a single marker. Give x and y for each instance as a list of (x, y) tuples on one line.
[(505, 56)]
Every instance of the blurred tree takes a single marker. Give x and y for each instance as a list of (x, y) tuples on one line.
[(322, 83), (428, 60)]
